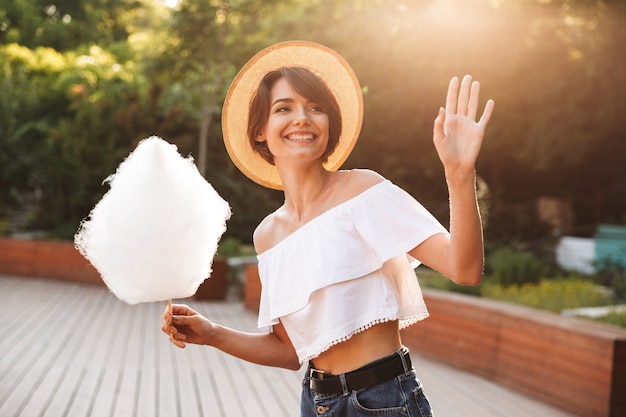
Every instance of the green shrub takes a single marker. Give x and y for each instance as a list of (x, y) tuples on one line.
[(433, 279), (229, 247), (611, 273), (507, 266), (615, 318), (553, 295), (550, 294)]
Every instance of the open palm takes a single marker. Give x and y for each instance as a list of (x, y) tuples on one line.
[(457, 135)]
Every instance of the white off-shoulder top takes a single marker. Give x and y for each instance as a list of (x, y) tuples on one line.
[(347, 270)]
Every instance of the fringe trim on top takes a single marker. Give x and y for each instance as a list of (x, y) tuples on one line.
[(404, 323)]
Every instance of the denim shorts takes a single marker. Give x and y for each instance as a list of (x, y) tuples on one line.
[(401, 396)]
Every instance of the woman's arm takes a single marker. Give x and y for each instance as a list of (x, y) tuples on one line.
[(185, 325), (458, 138)]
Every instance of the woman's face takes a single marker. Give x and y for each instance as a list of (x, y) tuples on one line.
[(297, 127)]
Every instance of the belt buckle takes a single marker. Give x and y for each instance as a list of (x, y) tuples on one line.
[(320, 373)]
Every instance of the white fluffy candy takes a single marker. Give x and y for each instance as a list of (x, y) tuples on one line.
[(154, 234)]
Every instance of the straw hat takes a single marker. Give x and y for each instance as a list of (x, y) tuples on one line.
[(325, 62)]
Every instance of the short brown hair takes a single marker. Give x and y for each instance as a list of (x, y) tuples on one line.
[(308, 85)]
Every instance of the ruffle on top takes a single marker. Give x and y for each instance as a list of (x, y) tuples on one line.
[(309, 279)]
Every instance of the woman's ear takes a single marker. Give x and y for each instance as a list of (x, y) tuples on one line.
[(260, 137)]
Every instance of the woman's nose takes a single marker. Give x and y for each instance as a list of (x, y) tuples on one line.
[(301, 117)]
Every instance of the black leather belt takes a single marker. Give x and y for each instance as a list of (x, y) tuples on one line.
[(367, 376)]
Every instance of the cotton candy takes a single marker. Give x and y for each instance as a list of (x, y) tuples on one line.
[(153, 235)]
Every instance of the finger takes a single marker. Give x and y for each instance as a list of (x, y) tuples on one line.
[(173, 333), (178, 343), (181, 310), (166, 322), (453, 90), (180, 337), (438, 124), (464, 95), (179, 321), (484, 119), (169, 329), (472, 107)]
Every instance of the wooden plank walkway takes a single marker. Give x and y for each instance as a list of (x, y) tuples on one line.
[(71, 349)]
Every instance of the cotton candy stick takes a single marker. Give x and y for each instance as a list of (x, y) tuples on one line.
[(169, 310)]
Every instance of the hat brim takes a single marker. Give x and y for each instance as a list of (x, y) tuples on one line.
[(335, 71)]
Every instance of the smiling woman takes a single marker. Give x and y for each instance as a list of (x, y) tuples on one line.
[(238, 120), (284, 97), (336, 259)]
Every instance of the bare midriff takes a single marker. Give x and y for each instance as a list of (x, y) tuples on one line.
[(364, 347)]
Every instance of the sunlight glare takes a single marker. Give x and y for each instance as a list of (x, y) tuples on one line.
[(172, 3)]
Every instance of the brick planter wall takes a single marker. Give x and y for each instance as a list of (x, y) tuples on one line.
[(46, 259), (252, 288), (216, 286), (61, 260), (575, 364)]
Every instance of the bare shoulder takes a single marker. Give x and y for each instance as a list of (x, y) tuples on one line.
[(264, 234), (355, 181), (344, 185)]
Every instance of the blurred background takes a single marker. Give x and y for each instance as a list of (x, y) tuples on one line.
[(82, 82)]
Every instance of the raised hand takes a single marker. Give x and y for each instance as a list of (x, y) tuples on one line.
[(456, 134)]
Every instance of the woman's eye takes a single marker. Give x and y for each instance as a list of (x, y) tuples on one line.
[(317, 109), (281, 109)]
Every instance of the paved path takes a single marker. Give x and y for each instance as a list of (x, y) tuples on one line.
[(72, 349)]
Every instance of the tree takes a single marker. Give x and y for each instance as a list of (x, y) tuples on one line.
[(68, 24), (70, 120), (70, 111)]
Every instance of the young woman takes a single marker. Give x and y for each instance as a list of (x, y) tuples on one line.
[(337, 259)]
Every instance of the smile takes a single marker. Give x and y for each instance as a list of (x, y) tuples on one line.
[(301, 136)]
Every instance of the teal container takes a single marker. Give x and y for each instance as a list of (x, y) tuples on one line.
[(610, 243)]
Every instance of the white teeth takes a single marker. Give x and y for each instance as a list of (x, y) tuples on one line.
[(300, 136)]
